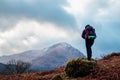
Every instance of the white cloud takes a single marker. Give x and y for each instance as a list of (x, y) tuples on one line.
[(104, 16), (39, 10), (28, 24), (44, 23), (76, 7), (26, 34)]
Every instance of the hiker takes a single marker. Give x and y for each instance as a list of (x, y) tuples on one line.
[(89, 35)]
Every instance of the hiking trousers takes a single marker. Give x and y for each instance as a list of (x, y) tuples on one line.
[(89, 43)]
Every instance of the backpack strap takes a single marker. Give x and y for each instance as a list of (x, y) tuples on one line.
[(86, 33)]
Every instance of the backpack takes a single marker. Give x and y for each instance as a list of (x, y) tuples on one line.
[(90, 33)]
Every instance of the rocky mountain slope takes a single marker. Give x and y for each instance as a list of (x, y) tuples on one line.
[(56, 55), (47, 58)]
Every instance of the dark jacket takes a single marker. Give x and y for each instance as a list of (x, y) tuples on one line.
[(83, 34)]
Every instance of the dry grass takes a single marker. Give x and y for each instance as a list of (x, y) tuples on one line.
[(107, 68), (45, 75)]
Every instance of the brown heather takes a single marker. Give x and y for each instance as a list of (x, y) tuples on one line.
[(107, 68)]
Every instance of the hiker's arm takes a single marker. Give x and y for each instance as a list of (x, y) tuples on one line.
[(83, 34)]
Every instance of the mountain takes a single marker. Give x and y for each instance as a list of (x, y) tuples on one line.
[(26, 56), (47, 58), (56, 56)]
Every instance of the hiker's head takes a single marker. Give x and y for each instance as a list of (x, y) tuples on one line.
[(87, 26)]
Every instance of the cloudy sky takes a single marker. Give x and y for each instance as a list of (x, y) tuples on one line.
[(35, 24)]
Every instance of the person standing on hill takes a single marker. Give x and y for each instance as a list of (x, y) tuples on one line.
[(89, 35)]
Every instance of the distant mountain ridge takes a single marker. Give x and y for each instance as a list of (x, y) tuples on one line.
[(56, 55), (27, 56), (47, 58)]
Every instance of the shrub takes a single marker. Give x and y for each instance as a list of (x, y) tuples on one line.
[(79, 67), (14, 66), (57, 77)]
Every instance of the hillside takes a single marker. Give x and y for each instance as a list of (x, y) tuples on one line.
[(108, 68)]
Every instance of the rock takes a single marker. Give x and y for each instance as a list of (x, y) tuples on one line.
[(79, 67)]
